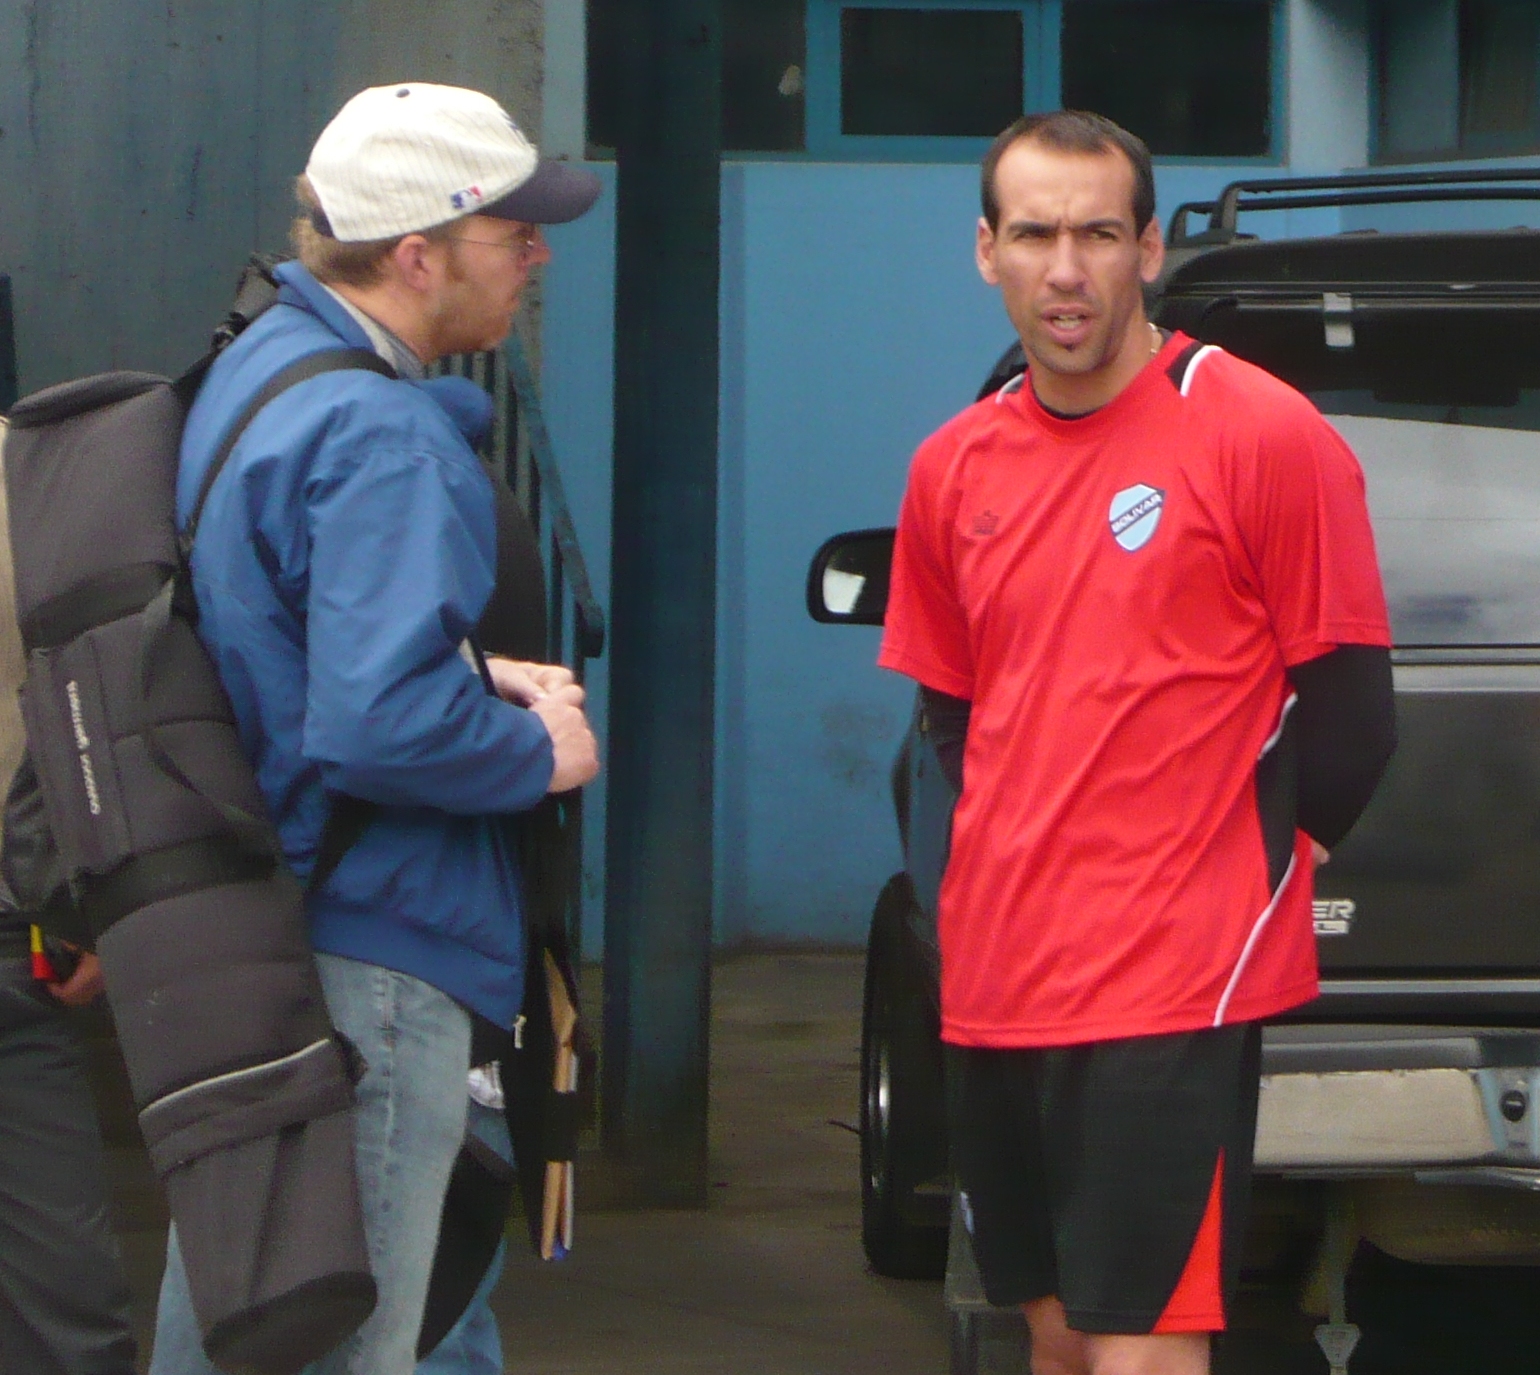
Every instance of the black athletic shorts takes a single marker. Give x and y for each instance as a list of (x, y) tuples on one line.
[(1115, 1175)]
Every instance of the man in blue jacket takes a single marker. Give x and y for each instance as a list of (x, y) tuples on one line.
[(344, 556)]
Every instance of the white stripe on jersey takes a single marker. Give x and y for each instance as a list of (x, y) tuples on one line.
[(1192, 366), (1257, 928), (1277, 734)]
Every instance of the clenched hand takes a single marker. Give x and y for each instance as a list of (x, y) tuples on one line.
[(549, 691), (576, 750), (83, 986)]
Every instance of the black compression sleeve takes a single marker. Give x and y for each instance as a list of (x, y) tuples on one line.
[(948, 719), (1345, 721)]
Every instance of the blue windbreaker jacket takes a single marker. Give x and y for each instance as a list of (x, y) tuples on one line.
[(344, 554)]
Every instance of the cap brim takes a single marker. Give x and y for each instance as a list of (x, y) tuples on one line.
[(555, 193)]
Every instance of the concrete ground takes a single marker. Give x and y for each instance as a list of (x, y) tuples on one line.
[(770, 1278)]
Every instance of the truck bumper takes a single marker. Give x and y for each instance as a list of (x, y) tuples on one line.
[(1339, 1100), (1432, 1135)]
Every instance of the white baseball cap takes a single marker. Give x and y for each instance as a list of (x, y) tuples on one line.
[(399, 159)]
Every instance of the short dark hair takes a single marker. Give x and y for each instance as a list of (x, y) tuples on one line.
[(1073, 131)]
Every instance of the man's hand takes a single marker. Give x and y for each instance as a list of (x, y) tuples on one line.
[(83, 986), (577, 752), (549, 691), (524, 683)]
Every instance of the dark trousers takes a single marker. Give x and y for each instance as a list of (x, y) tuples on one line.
[(64, 1301)]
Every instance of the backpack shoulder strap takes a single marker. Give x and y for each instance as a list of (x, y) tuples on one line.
[(302, 370), (255, 294), (349, 817), (345, 824)]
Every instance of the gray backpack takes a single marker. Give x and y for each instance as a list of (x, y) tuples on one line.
[(137, 795)]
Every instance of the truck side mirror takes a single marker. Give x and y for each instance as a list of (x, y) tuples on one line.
[(847, 583)]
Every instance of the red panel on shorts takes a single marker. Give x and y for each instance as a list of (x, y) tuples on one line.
[(1196, 1304)]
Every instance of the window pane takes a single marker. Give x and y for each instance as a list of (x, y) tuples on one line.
[(605, 18), (763, 60), (1444, 415), (1453, 493), (1419, 78), (1190, 77), (948, 72), (1499, 48)]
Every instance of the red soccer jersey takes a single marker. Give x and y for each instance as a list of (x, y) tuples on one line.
[(1119, 596)]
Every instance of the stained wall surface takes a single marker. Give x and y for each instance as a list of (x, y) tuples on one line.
[(147, 146)]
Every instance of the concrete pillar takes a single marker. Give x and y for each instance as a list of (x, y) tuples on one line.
[(564, 95), (490, 45), (1329, 75)]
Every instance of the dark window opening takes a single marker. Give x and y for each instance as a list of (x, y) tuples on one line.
[(764, 58), (764, 61), (1458, 78), (955, 73), (1499, 45), (1193, 78), (606, 38)]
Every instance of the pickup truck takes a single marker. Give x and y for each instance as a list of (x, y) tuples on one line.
[(1402, 1107)]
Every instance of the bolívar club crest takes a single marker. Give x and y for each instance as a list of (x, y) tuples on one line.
[(1134, 515)]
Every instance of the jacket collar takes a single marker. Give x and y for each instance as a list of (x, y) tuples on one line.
[(359, 329), (467, 405), (298, 288)]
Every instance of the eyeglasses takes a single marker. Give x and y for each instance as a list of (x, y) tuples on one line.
[(522, 245)]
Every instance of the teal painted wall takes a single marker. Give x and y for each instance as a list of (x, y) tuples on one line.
[(853, 323), (145, 149)]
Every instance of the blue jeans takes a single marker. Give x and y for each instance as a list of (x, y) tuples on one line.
[(410, 1122), (473, 1346)]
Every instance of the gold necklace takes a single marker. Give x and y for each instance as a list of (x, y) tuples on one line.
[(1155, 340)]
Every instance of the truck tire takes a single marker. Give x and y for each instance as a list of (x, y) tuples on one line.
[(903, 1116)]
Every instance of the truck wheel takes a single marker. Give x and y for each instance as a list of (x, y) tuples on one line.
[(903, 1132)]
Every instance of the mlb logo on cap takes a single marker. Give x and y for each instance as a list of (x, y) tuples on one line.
[(401, 159)]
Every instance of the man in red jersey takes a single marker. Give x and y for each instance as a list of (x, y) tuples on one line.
[(1139, 591)]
